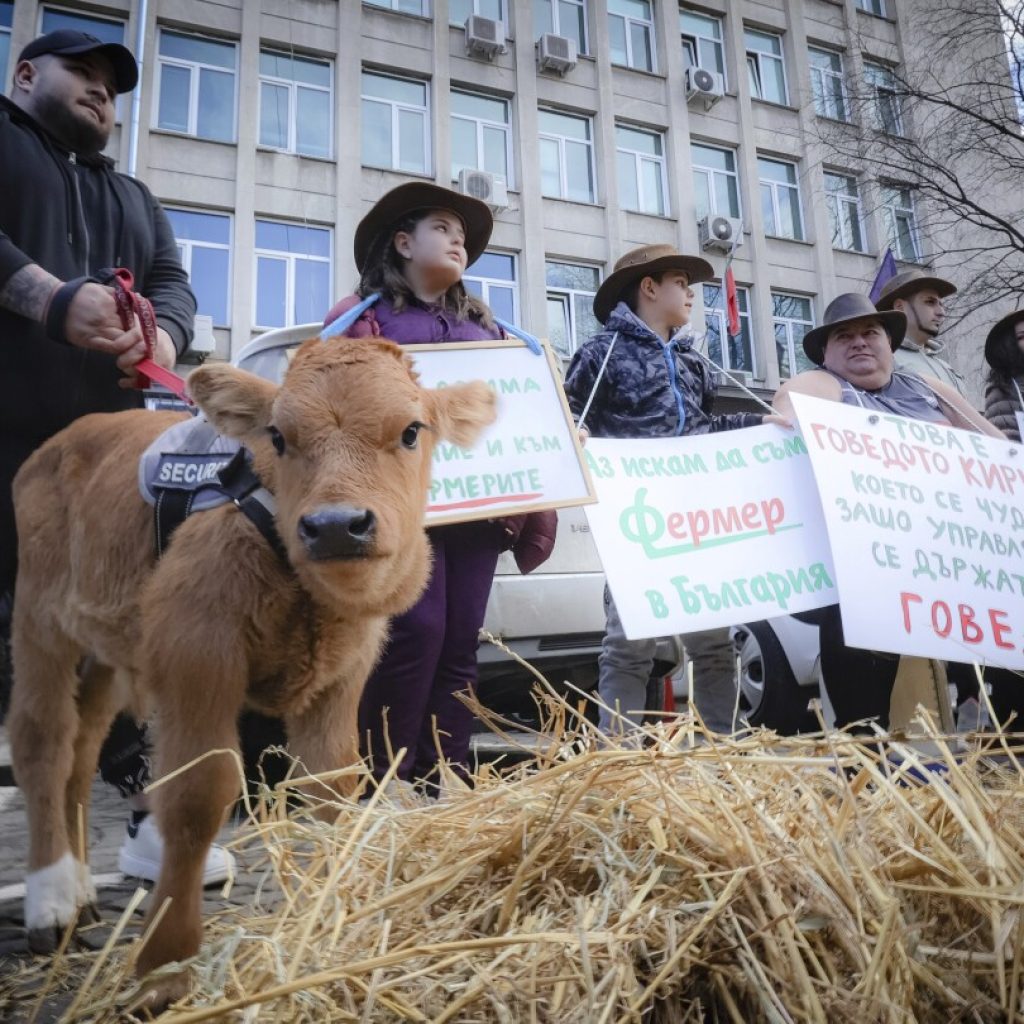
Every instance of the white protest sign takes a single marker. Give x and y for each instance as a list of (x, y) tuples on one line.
[(529, 459), (711, 530), (927, 532)]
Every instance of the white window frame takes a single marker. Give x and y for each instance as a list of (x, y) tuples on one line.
[(498, 282), (396, 105), (186, 245), (638, 160), (393, 5), (194, 68), (718, 314), (561, 140), (836, 200), (875, 7), (789, 323), (774, 186), (293, 86), (694, 40), (893, 212), (481, 123), (556, 21), (503, 6), (568, 297), (824, 102), (712, 171), (874, 75), (755, 59), (289, 258), (628, 23)]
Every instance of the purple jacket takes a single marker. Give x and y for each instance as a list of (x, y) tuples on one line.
[(415, 325)]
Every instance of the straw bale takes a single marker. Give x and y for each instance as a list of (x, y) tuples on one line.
[(689, 879)]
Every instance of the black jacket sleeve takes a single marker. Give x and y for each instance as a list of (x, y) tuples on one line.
[(12, 259), (167, 284), (580, 377)]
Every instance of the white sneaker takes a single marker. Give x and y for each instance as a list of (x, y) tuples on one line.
[(143, 850)]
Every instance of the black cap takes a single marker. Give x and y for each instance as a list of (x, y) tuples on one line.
[(67, 42)]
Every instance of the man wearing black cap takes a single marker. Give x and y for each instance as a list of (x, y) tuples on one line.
[(65, 216)]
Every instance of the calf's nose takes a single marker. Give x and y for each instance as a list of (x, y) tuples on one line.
[(337, 531)]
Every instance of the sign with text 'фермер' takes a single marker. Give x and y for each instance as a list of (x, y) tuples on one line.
[(927, 531), (711, 530), (528, 459)]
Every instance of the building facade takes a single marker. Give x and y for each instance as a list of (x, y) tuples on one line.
[(268, 127)]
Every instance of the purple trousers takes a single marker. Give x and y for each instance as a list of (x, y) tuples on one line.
[(429, 657)]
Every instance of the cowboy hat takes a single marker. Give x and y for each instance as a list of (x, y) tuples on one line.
[(1000, 341), (845, 309), (645, 262), (906, 282), (422, 195)]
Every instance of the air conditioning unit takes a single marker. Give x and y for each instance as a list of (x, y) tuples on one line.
[(486, 187), (556, 53), (719, 234), (744, 377), (703, 84), (203, 341), (484, 36)]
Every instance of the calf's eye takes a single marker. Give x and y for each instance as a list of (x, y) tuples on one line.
[(276, 439), (411, 435)]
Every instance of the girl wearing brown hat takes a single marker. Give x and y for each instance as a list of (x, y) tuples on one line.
[(411, 251), (853, 349), (1004, 353)]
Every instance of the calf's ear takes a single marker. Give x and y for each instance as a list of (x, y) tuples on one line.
[(235, 402), (461, 412)]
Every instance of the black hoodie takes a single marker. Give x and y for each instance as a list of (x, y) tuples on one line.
[(74, 215)]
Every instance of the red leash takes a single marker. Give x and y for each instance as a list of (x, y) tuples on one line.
[(130, 305)]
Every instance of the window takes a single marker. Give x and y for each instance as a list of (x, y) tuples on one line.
[(563, 18), (295, 104), (196, 86), (107, 29), (844, 212), (460, 10), (641, 163), (780, 198), (204, 244), (6, 17), (876, 7), (293, 273), (901, 222), (566, 156), (827, 85), (402, 6), (729, 353), (493, 279), (702, 41), (481, 135), (571, 290), (631, 33), (792, 318), (715, 182), (395, 123), (764, 66), (884, 88)]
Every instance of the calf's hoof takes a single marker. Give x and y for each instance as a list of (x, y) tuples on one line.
[(44, 941), (156, 993)]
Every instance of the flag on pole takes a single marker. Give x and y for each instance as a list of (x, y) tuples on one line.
[(886, 271), (732, 302)]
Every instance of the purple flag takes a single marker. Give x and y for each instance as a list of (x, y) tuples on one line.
[(886, 271)]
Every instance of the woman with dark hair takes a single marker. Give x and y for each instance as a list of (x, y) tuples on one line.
[(1004, 353)]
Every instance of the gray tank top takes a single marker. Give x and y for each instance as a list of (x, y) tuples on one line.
[(905, 395)]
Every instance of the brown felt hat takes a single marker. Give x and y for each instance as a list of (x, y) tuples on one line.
[(845, 309), (643, 262), (422, 195), (906, 282), (1000, 344)]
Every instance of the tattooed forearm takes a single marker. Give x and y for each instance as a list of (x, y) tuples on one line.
[(28, 291)]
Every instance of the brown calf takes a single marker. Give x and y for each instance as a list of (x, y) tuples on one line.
[(219, 622)]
